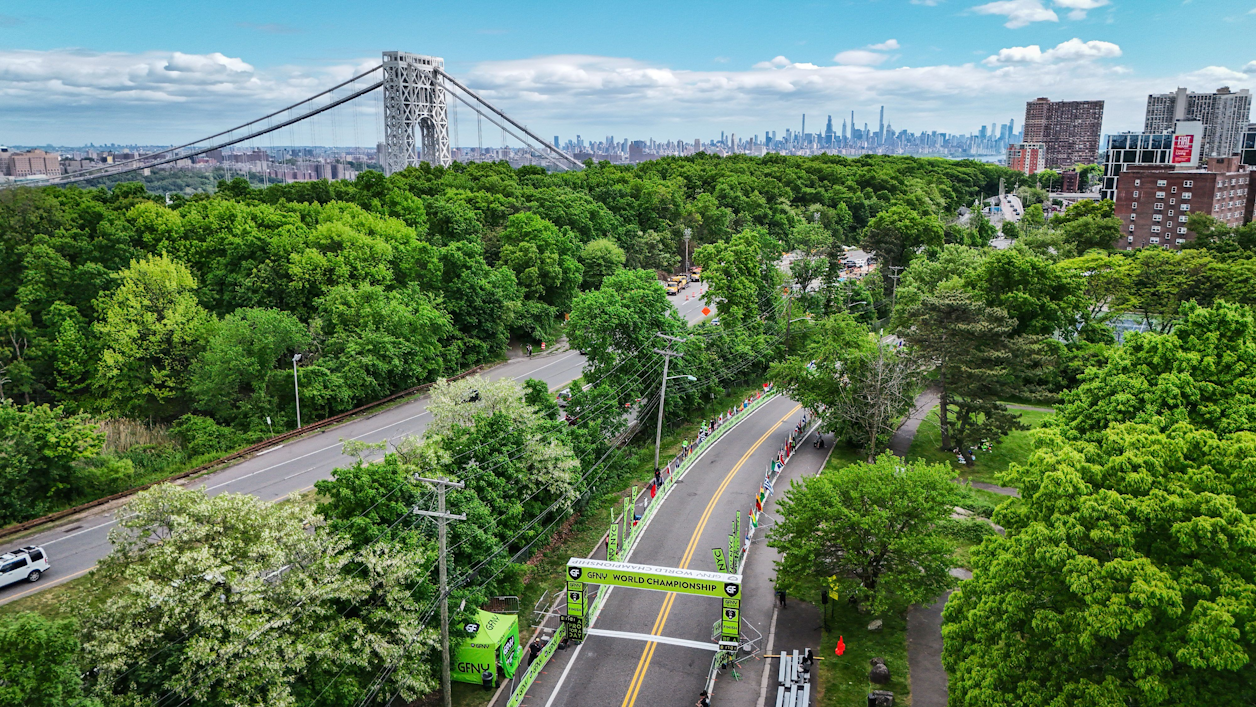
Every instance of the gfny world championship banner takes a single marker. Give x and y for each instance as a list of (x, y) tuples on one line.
[(664, 579)]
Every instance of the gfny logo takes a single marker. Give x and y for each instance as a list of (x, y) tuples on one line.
[(731, 589), (575, 572)]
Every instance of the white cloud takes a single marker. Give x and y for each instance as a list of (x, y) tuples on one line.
[(1079, 8), (1072, 50), (887, 45), (927, 3), (75, 97), (1019, 13), (1250, 68), (59, 92), (859, 57)]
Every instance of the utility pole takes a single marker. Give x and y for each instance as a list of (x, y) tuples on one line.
[(688, 235), (667, 355), (441, 519), (789, 303)]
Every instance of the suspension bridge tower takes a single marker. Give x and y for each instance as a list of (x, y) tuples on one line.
[(416, 123)]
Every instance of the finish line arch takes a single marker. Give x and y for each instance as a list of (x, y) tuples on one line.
[(720, 585)]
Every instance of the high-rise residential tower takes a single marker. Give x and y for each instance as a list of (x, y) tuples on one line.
[(1224, 113), (1069, 130)]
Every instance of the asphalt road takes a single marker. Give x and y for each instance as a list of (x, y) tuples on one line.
[(76, 544), (696, 517)]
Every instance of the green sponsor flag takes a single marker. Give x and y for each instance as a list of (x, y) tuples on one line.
[(732, 552), (730, 622), (612, 543), (719, 559)]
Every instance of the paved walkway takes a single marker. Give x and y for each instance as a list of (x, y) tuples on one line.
[(1002, 490), (906, 432), (924, 654)]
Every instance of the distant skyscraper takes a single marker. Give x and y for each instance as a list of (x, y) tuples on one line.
[(1224, 114), (555, 141), (828, 131), (804, 124), (1011, 129), (844, 137), (1069, 130), (881, 129)]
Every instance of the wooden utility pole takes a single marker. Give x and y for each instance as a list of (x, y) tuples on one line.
[(441, 519)]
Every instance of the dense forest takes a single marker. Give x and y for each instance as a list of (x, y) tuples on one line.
[(143, 333), (162, 333)]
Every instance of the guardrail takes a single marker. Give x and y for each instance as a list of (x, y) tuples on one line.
[(252, 449)]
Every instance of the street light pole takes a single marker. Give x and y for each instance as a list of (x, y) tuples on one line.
[(296, 388)]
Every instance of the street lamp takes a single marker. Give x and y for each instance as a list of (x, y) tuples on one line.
[(296, 388)]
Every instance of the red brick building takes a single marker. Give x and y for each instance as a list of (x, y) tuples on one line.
[(1154, 202), (1027, 157), (1068, 130)]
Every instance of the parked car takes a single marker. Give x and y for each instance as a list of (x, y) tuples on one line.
[(563, 397), (28, 563)]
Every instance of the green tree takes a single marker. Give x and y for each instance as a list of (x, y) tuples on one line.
[(379, 342), (39, 661), (244, 367), (1202, 373), (896, 233), (741, 277), (42, 462), (972, 348), (874, 526), (228, 600), (151, 328), (1125, 577), (856, 383), (616, 327), (600, 259), (1042, 299), (955, 265), (543, 259)]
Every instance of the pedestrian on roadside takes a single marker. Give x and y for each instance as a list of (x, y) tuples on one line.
[(780, 596), (529, 350), (704, 700), (658, 479), (534, 649)]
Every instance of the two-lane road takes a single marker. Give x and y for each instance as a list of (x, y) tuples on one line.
[(621, 668), (77, 544)]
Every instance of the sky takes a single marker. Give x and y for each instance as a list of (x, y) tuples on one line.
[(73, 71)]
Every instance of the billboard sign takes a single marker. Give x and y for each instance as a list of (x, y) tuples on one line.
[(1183, 149)]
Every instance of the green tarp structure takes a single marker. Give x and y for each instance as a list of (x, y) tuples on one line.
[(491, 640)]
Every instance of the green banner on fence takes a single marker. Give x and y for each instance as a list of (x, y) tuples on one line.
[(533, 670)]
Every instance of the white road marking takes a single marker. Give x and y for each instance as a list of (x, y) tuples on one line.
[(559, 360), (684, 643), (85, 530), (268, 451)]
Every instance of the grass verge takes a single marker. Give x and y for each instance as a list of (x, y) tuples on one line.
[(1013, 448), (843, 680)]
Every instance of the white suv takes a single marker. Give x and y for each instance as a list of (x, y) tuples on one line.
[(28, 563)]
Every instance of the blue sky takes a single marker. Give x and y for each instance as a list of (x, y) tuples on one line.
[(90, 71)]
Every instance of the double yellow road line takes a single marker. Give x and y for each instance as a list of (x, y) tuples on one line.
[(647, 654)]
